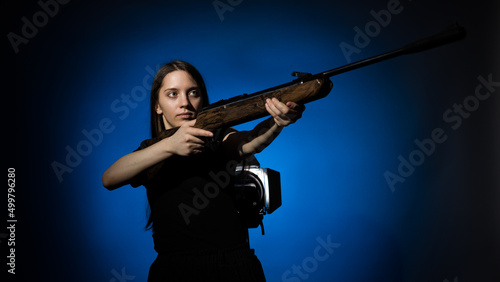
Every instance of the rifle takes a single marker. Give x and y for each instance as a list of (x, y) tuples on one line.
[(306, 88)]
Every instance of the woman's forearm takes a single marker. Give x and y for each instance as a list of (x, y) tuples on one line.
[(254, 141), (131, 165), (262, 136), (186, 141)]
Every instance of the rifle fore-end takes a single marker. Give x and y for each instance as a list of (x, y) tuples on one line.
[(253, 106), (249, 108)]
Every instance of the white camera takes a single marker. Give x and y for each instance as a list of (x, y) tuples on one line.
[(257, 192)]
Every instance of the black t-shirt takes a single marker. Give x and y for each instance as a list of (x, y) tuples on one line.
[(192, 208)]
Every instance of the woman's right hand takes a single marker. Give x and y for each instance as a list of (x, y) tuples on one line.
[(187, 140)]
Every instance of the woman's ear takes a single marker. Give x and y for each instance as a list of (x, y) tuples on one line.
[(158, 109)]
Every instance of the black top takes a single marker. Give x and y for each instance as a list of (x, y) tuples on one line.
[(192, 208)]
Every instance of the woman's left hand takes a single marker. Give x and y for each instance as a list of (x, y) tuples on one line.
[(284, 114)]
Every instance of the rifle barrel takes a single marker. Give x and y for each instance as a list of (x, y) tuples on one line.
[(452, 33)]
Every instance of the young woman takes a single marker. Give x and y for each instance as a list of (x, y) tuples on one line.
[(197, 231)]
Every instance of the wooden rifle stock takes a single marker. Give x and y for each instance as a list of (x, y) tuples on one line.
[(305, 89), (244, 108)]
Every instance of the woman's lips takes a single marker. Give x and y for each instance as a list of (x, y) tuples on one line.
[(186, 115)]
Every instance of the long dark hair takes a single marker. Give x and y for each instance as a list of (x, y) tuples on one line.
[(157, 125)]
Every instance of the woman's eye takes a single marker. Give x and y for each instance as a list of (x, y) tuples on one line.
[(193, 93), (172, 94)]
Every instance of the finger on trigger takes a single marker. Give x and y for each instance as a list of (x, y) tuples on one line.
[(205, 133), (200, 132)]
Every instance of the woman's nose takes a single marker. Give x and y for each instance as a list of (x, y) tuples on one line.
[(184, 101)]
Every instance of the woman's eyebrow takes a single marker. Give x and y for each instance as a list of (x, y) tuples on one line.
[(176, 89)]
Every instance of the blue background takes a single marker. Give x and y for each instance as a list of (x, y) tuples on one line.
[(441, 223)]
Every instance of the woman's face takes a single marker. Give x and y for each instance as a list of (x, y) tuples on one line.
[(179, 99)]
